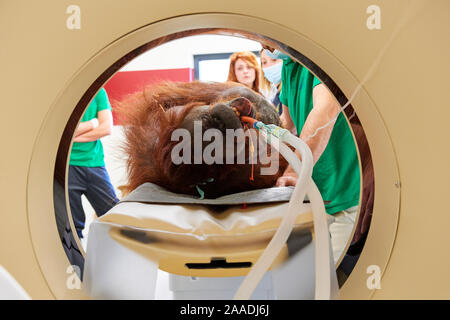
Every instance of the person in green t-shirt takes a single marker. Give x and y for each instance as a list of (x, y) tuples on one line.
[(87, 172), (309, 105)]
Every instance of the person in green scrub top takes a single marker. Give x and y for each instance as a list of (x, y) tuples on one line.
[(87, 172), (308, 105)]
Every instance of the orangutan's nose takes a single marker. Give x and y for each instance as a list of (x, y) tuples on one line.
[(226, 115)]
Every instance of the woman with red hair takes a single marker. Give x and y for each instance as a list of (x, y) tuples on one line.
[(244, 69)]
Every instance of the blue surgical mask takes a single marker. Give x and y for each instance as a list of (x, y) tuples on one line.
[(276, 54), (273, 73)]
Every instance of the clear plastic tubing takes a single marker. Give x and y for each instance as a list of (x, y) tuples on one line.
[(322, 243), (305, 186)]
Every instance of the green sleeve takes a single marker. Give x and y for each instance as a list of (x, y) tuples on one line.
[(102, 100), (284, 84), (316, 81), (282, 99)]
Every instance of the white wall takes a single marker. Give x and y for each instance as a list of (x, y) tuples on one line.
[(179, 53)]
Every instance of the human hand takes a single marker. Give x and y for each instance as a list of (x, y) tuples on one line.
[(94, 123), (289, 178)]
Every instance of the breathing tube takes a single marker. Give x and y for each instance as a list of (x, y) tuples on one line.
[(278, 137)]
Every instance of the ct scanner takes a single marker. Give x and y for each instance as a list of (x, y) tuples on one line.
[(395, 76)]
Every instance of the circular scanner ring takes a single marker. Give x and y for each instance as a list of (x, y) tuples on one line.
[(101, 67)]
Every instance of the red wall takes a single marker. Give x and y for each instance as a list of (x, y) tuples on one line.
[(128, 82)]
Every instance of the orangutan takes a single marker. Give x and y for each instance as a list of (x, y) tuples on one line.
[(152, 116)]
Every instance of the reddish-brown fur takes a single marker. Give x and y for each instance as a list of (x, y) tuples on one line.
[(149, 118)]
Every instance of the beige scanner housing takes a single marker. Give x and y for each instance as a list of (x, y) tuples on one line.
[(398, 69), (193, 234)]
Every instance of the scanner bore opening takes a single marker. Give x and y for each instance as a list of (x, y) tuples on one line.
[(67, 233)]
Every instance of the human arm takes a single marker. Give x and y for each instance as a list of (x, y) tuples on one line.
[(286, 120), (325, 109), (289, 177), (85, 126), (104, 128)]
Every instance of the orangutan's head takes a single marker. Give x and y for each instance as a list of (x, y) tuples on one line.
[(189, 136)]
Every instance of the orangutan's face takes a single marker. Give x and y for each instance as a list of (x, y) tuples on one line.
[(226, 114), (185, 135)]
